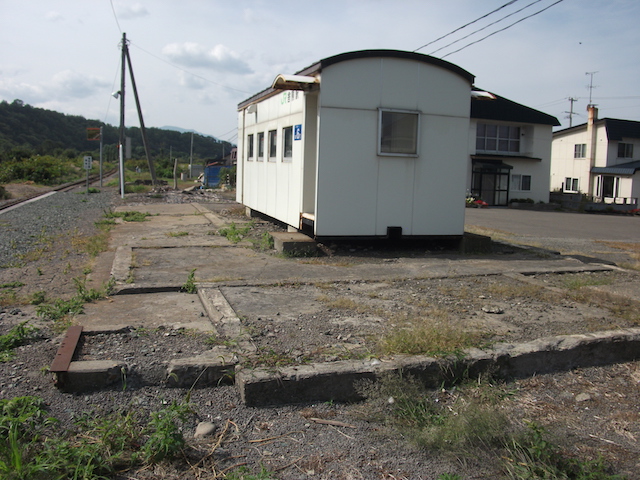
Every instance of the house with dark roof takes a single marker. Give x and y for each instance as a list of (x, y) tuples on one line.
[(510, 150), (599, 159)]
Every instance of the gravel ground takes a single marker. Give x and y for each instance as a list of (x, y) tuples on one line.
[(591, 411)]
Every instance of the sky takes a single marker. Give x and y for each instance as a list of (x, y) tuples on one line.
[(195, 60)]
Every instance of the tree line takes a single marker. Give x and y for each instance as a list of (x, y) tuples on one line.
[(27, 131)]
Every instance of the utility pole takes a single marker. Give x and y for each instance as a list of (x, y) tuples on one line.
[(570, 112), (591, 87), (126, 58), (121, 138)]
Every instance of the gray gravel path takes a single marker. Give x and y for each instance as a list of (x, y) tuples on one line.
[(24, 227)]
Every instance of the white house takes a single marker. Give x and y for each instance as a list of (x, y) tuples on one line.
[(370, 143), (600, 159), (510, 150)]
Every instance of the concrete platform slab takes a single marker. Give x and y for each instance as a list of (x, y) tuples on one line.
[(174, 309), (294, 243)]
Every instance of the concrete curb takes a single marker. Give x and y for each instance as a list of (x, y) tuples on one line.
[(337, 381)]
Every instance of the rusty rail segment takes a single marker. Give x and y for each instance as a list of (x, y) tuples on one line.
[(67, 348)]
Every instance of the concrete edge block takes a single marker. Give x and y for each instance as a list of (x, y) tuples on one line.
[(337, 381), (90, 375), (206, 370)]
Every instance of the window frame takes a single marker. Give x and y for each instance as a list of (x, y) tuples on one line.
[(574, 181), (383, 148), (625, 150), (485, 141), (518, 181), (580, 150), (272, 135), (287, 143), (250, 147), (260, 146)]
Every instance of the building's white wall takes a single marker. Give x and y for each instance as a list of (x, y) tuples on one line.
[(361, 193), (272, 187), (563, 164)]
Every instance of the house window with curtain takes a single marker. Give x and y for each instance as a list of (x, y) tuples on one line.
[(580, 150), (503, 139), (571, 185), (521, 182)]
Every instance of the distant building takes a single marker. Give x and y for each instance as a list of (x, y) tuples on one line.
[(510, 149), (599, 159)]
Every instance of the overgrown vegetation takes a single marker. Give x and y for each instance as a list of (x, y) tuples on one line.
[(31, 447), (127, 216), (466, 421)]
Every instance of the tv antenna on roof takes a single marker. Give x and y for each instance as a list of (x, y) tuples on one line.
[(590, 87)]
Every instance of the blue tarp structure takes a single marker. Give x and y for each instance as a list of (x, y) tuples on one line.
[(211, 173)]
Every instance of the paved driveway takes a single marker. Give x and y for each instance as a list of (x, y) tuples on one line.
[(569, 233)]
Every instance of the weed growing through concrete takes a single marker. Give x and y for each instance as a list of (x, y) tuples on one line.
[(190, 285), (234, 233), (128, 216), (177, 234)]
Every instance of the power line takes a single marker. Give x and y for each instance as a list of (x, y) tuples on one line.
[(464, 26), (503, 29), (115, 16), (486, 26)]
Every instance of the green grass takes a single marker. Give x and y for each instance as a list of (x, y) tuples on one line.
[(234, 233), (33, 447), (177, 234), (128, 216), (18, 335)]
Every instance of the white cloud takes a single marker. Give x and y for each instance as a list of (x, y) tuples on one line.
[(54, 16), (191, 81), (128, 11), (65, 85), (219, 58)]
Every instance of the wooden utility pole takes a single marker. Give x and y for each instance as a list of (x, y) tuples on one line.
[(143, 131)]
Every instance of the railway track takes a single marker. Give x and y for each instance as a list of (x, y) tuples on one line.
[(60, 188)]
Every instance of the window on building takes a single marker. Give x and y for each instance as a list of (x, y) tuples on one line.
[(273, 139), (580, 150), (571, 185), (497, 138), (250, 147), (521, 182), (625, 150), (260, 146), (287, 143), (398, 132)]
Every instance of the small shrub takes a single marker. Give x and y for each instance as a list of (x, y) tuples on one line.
[(165, 439)]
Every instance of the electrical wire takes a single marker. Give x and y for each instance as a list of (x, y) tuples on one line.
[(115, 16), (503, 29), (486, 26), (466, 25)]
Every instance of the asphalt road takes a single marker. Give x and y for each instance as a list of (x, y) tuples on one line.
[(566, 232)]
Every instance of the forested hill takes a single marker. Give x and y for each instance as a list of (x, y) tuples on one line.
[(45, 132)]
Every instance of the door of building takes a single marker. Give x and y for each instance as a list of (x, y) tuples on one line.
[(490, 182)]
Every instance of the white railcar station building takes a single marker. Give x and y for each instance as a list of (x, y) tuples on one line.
[(372, 143)]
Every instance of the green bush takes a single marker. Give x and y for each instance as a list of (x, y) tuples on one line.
[(44, 170)]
